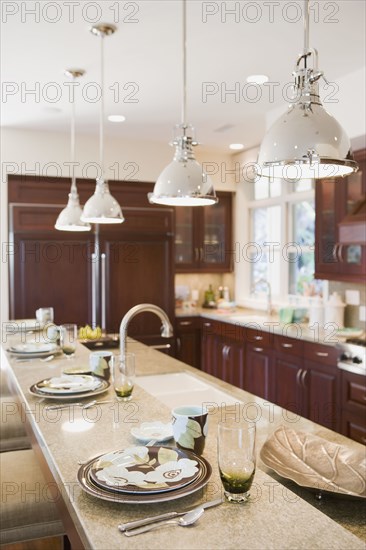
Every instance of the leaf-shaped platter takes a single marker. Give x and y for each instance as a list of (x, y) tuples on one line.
[(144, 470), (313, 462)]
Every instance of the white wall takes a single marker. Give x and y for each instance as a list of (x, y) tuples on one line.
[(47, 153)]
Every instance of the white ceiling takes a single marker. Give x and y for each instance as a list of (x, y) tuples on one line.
[(146, 51)]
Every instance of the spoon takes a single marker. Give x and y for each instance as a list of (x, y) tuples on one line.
[(184, 521)]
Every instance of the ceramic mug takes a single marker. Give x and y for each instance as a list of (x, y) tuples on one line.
[(190, 426), (100, 363), (44, 315)]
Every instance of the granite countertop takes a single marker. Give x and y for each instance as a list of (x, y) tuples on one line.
[(269, 323), (277, 516)]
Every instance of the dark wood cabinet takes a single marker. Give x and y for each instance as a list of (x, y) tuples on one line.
[(209, 347), (231, 359), (135, 259), (321, 386), (353, 406), (335, 199), (258, 371), (188, 338), (203, 237)]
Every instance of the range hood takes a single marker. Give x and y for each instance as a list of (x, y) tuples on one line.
[(352, 229)]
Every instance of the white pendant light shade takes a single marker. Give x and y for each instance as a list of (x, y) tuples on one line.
[(306, 142), (183, 182), (69, 217), (102, 207)]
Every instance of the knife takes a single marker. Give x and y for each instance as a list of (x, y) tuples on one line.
[(155, 519)]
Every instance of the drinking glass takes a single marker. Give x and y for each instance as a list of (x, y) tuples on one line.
[(123, 376), (236, 458), (68, 338)]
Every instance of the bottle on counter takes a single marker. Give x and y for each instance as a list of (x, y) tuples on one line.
[(209, 300)]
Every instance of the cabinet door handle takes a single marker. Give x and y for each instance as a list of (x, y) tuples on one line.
[(298, 377), (196, 254), (185, 323), (287, 345), (179, 345), (259, 350), (201, 254), (322, 353), (339, 254), (303, 378), (258, 338), (206, 324), (335, 252)]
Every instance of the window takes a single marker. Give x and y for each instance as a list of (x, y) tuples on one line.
[(282, 235)]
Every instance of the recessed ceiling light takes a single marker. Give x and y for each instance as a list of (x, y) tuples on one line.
[(236, 146), (257, 78), (116, 118)]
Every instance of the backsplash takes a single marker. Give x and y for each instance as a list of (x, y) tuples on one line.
[(351, 316), (201, 282)]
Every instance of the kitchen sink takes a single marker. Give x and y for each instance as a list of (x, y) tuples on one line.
[(181, 388)]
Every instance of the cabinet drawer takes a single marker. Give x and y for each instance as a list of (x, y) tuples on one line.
[(289, 346), (353, 426), (319, 353), (258, 337), (354, 390), (187, 324)]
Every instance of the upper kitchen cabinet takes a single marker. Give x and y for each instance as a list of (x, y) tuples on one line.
[(93, 277), (203, 237), (341, 226)]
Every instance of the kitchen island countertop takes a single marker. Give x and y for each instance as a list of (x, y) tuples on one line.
[(275, 517)]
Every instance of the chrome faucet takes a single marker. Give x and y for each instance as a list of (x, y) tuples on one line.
[(269, 293), (166, 329)]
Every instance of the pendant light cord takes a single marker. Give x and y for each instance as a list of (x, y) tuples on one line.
[(184, 51), (72, 142), (306, 27), (101, 119)]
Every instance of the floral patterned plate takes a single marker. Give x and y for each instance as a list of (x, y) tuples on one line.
[(144, 470), (111, 495)]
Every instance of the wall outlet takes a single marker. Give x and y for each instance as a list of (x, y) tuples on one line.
[(352, 297), (362, 313)]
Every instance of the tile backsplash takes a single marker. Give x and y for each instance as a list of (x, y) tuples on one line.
[(201, 282), (351, 315)]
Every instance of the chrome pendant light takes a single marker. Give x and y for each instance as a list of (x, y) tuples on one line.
[(306, 142), (102, 207), (183, 182), (69, 217)]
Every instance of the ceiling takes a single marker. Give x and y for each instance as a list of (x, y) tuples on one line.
[(143, 63)]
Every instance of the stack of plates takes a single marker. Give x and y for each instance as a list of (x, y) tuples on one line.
[(144, 474), (34, 349), (69, 387)]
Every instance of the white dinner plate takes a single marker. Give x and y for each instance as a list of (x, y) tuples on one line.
[(157, 431), (93, 386), (33, 348)]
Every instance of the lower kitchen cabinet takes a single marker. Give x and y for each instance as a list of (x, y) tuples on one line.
[(230, 362), (353, 406), (188, 338), (209, 348), (321, 384), (258, 371)]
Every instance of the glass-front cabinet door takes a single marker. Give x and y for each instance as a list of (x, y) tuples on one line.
[(203, 237)]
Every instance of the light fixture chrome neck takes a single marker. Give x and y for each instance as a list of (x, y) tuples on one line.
[(306, 142)]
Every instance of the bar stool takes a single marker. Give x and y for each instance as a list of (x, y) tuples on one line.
[(28, 510)]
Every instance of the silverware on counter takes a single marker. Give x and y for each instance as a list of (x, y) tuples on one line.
[(168, 515), (184, 521), (43, 359), (78, 404)]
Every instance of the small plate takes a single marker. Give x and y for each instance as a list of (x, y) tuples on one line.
[(25, 325), (77, 370), (144, 470), (157, 431)]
